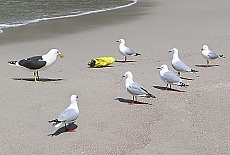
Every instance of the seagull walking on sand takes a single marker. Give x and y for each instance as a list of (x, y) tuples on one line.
[(125, 51), (179, 65), (209, 55), (170, 78), (134, 88), (68, 116), (38, 63)]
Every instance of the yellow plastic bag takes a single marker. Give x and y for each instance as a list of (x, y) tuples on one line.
[(101, 62)]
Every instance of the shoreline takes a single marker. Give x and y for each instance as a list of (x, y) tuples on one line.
[(191, 121), (3, 26), (66, 26)]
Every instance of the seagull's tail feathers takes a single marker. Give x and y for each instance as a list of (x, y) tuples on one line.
[(194, 71), (55, 123), (136, 54), (150, 95), (181, 84), (222, 56), (12, 63)]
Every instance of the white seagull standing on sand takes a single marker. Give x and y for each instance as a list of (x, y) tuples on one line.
[(68, 116), (125, 51), (37, 63), (209, 55), (134, 88), (170, 78), (178, 65)]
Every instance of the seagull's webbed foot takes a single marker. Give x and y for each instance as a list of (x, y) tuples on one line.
[(133, 101), (69, 130), (166, 88)]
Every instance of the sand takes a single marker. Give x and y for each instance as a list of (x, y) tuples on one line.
[(190, 121)]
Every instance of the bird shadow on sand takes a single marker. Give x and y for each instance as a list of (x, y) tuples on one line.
[(123, 100), (127, 61), (100, 67), (63, 130), (185, 78), (206, 66), (168, 89), (40, 79)]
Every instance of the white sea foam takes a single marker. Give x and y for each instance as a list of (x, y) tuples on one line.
[(2, 26)]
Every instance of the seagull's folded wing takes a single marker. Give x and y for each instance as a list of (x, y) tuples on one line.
[(180, 66), (35, 62), (68, 115), (213, 55), (136, 89), (170, 77), (128, 51)]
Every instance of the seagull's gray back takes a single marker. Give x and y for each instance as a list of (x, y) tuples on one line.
[(33, 63), (170, 77), (213, 55), (180, 66), (136, 89), (68, 115), (128, 51)]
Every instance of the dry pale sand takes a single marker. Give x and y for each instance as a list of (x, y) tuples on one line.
[(193, 122)]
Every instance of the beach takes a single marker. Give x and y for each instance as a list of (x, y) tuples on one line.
[(190, 121)]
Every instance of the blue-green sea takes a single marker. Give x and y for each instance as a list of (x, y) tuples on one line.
[(22, 12)]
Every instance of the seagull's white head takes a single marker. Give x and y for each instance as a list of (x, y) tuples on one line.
[(163, 67), (73, 99), (128, 75), (174, 50), (205, 47), (55, 52), (121, 41)]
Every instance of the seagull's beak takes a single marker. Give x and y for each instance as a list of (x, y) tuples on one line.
[(170, 51), (118, 41), (158, 68), (61, 55), (123, 76), (202, 49)]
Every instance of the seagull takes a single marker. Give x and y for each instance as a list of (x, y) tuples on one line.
[(125, 51), (209, 55), (37, 63), (68, 116), (134, 88), (178, 65), (170, 78)]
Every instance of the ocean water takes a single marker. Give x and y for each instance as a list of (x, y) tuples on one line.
[(21, 12)]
